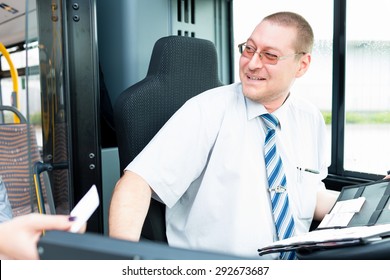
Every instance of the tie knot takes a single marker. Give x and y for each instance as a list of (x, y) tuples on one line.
[(270, 121)]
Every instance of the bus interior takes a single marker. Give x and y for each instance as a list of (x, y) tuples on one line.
[(64, 64)]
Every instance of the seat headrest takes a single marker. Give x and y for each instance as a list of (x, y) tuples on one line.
[(179, 55)]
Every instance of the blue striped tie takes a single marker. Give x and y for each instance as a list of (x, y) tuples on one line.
[(277, 183)]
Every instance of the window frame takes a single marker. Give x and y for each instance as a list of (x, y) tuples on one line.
[(336, 169)]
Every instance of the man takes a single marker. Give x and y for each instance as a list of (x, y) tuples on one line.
[(207, 163)]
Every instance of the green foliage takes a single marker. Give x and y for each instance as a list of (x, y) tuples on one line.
[(327, 117), (35, 119), (361, 117)]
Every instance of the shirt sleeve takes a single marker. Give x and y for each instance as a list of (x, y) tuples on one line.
[(324, 152), (178, 153)]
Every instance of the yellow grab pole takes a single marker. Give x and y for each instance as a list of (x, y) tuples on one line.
[(14, 76)]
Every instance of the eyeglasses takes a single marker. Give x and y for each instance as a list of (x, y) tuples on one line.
[(266, 57)]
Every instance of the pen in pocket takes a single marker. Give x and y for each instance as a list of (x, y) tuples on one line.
[(309, 170)]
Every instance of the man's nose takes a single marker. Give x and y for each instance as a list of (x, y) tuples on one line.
[(256, 61)]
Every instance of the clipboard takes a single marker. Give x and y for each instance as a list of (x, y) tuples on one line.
[(368, 209)]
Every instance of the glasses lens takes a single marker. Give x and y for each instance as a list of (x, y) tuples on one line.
[(269, 58), (246, 51), (249, 51)]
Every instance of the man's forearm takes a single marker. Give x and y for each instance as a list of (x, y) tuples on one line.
[(325, 201), (129, 206)]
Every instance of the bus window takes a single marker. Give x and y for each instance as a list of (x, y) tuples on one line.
[(367, 86), (30, 106)]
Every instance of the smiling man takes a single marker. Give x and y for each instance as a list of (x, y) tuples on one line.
[(273, 57), (231, 183)]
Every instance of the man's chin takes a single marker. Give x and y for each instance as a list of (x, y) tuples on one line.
[(252, 94)]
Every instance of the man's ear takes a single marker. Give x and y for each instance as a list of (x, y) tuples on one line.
[(304, 63)]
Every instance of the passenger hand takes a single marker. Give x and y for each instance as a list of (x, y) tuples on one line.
[(19, 236)]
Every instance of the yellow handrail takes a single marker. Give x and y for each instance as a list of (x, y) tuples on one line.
[(14, 76)]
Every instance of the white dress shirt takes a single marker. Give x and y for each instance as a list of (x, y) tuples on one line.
[(207, 165)]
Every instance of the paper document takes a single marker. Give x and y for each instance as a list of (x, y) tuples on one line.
[(342, 213), (329, 237), (85, 208)]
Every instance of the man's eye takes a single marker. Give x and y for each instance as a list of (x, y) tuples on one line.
[(271, 55), (249, 49)]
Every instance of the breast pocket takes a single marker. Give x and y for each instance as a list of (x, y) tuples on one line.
[(305, 194)]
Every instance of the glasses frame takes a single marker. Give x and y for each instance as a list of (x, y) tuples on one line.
[(263, 54)]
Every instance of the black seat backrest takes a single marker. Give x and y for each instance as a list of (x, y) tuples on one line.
[(180, 68)]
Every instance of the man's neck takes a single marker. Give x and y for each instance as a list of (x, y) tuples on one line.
[(273, 106)]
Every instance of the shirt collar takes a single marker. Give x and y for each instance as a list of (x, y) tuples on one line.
[(255, 109)]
